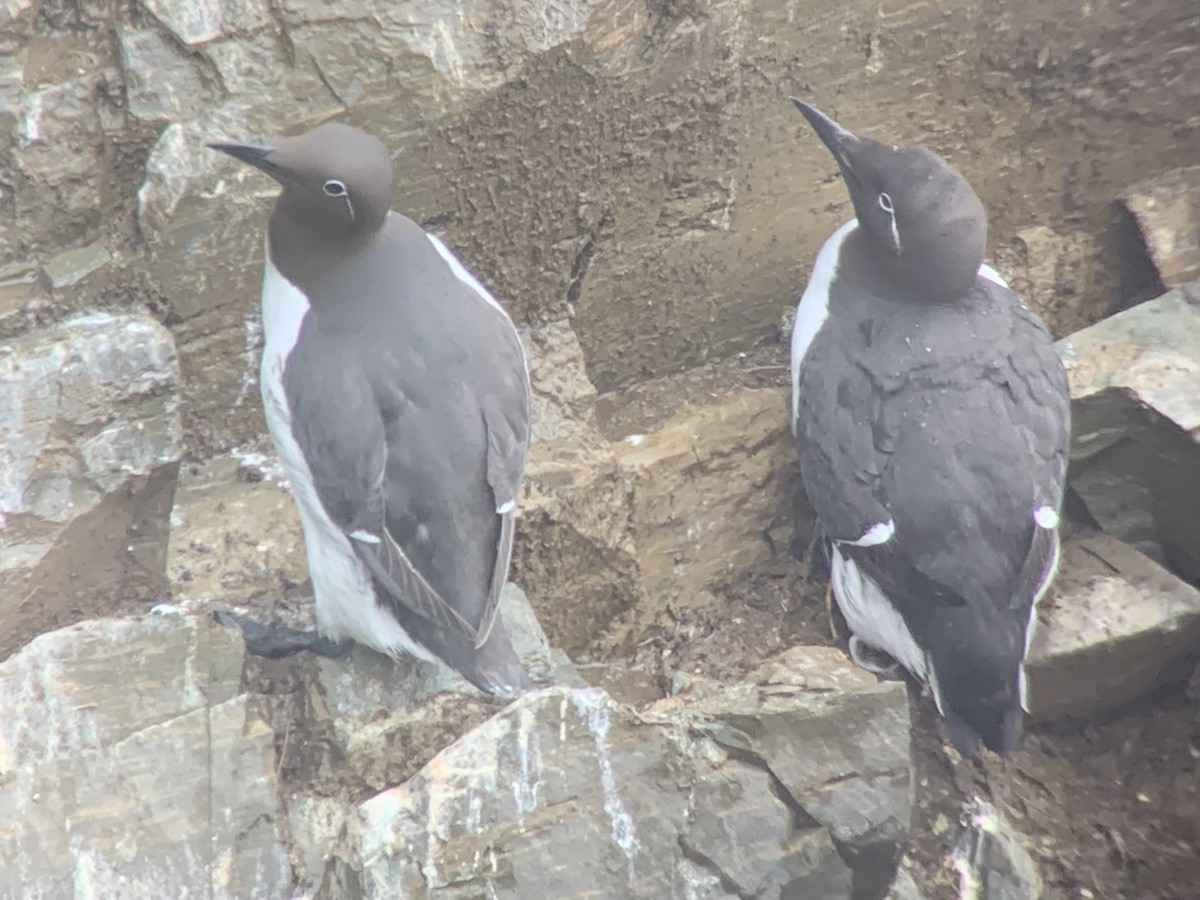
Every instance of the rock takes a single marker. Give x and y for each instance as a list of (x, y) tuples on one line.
[(153, 792), (904, 887), (198, 23), (1057, 272), (162, 84), (653, 499), (235, 533), (1135, 461), (1114, 627), (92, 443), (566, 794), (1166, 208), (991, 859), (69, 268)]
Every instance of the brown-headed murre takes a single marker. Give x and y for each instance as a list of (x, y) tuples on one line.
[(396, 392), (931, 415)]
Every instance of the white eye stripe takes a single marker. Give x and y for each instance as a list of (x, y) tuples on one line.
[(334, 188), (885, 202)]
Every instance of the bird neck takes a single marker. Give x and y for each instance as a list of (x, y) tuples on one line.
[(306, 255), (930, 273)]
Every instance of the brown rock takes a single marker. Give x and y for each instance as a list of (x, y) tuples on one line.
[(235, 533), (1166, 208)]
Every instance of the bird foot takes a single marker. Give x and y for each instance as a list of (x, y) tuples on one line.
[(875, 661), (276, 640)]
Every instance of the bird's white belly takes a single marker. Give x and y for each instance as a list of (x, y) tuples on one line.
[(874, 620), (813, 308), (344, 595)]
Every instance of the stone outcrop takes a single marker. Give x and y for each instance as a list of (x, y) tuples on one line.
[(795, 784), (1166, 208), (636, 168), (1135, 457), (132, 764), (991, 860), (89, 416), (1114, 627)]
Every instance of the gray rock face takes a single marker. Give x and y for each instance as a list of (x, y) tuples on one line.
[(780, 788), (1115, 626), (131, 766), (88, 411), (991, 860), (1135, 453)]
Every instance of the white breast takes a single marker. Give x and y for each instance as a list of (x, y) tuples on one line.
[(344, 595), (813, 308)]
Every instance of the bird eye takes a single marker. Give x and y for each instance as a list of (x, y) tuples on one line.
[(334, 188), (885, 203)]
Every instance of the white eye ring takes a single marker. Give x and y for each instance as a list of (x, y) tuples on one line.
[(885, 203), (334, 188)]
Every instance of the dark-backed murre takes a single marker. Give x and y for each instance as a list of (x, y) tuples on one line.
[(931, 415), (396, 392)]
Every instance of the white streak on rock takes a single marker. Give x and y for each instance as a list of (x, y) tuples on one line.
[(592, 707), (253, 327), (529, 761)]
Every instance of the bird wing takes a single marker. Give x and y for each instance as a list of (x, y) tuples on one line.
[(507, 415), (346, 449), (423, 437), (947, 454), (508, 426)]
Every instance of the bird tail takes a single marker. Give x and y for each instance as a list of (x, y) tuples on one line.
[(495, 668), (998, 722)]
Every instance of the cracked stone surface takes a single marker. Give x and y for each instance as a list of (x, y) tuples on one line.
[(632, 167), (782, 787), (1135, 446), (131, 765), (89, 413)]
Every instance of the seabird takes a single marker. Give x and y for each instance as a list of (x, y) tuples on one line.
[(931, 415), (396, 393)]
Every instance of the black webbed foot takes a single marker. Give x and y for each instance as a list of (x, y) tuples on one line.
[(875, 661), (276, 640)]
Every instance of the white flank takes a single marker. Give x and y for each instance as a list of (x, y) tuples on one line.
[(879, 533), (345, 597), (986, 271), (813, 308), (874, 620), (1031, 625)]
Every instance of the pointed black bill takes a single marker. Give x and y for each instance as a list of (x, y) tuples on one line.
[(256, 155), (839, 140)]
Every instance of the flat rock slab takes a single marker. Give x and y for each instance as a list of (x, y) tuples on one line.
[(1115, 626), (130, 766), (1135, 450), (783, 787)]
